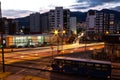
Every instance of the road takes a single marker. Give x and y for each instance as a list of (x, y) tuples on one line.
[(37, 61), (23, 54)]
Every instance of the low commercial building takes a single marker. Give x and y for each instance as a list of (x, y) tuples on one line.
[(26, 40), (112, 46)]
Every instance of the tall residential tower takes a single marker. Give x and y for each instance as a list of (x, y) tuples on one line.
[(35, 23), (59, 19)]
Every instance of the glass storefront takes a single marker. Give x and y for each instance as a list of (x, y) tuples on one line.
[(20, 40), (25, 41)]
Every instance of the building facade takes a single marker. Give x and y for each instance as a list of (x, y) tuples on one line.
[(59, 19), (112, 46), (8, 26), (26, 40), (73, 22), (105, 23), (90, 22), (99, 23), (44, 20), (35, 23)]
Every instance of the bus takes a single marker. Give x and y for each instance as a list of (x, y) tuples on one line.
[(94, 68)]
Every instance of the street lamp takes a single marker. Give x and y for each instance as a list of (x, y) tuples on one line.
[(63, 32), (2, 46), (56, 33), (52, 51), (107, 32), (2, 43)]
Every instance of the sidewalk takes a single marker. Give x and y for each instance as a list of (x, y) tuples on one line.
[(11, 76)]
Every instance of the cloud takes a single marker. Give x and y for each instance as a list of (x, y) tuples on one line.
[(116, 8), (15, 13), (93, 3), (84, 5)]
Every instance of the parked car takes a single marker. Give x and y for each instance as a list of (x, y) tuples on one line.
[(20, 45)]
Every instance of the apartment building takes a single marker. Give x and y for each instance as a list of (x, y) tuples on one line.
[(90, 22), (105, 23), (99, 23), (59, 19), (44, 20), (35, 23), (8, 26), (73, 22)]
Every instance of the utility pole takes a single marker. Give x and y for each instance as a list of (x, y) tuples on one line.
[(2, 44)]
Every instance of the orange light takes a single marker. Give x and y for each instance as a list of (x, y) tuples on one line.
[(64, 31), (62, 51), (107, 32), (56, 32)]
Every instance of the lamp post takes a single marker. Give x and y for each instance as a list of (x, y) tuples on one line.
[(2, 44), (56, 33), (52, 51), (63, 32)]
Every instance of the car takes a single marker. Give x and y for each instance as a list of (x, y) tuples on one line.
[(20, 45)]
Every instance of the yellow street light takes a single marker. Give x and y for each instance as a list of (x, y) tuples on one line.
[(117, 32), (107, 32), (56, 32), (63, 31)]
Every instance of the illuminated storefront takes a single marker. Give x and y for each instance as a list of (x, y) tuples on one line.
[(26, 40)]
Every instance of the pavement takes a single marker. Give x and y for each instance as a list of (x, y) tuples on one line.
[(14, 76)]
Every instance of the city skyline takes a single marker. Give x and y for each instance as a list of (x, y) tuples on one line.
[(17, 8)]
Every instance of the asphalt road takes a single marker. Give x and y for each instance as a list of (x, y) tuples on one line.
[(36, 62)]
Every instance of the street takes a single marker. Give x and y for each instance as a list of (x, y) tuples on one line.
[(37, 61)]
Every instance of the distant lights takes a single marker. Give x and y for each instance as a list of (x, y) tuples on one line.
[(71, 51), (91, 49), (36, 54), (22, 56)]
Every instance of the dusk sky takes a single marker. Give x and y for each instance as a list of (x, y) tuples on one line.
[(21, 8)]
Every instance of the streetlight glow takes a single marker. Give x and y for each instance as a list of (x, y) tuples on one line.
[(56, 32), (64, 32), (107, 32)]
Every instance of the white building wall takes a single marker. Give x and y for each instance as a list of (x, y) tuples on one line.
[(73, 25), (59, 17), (90, 22)]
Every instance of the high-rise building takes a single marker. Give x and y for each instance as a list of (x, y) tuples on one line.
[(66, 20), (105, 22), (35, 23), (59, 19), (73, 22), (44, 22), (9, 26), (90, 22), (52, 19), (100, 22)]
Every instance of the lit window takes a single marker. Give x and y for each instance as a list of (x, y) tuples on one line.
[(111, 22)]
